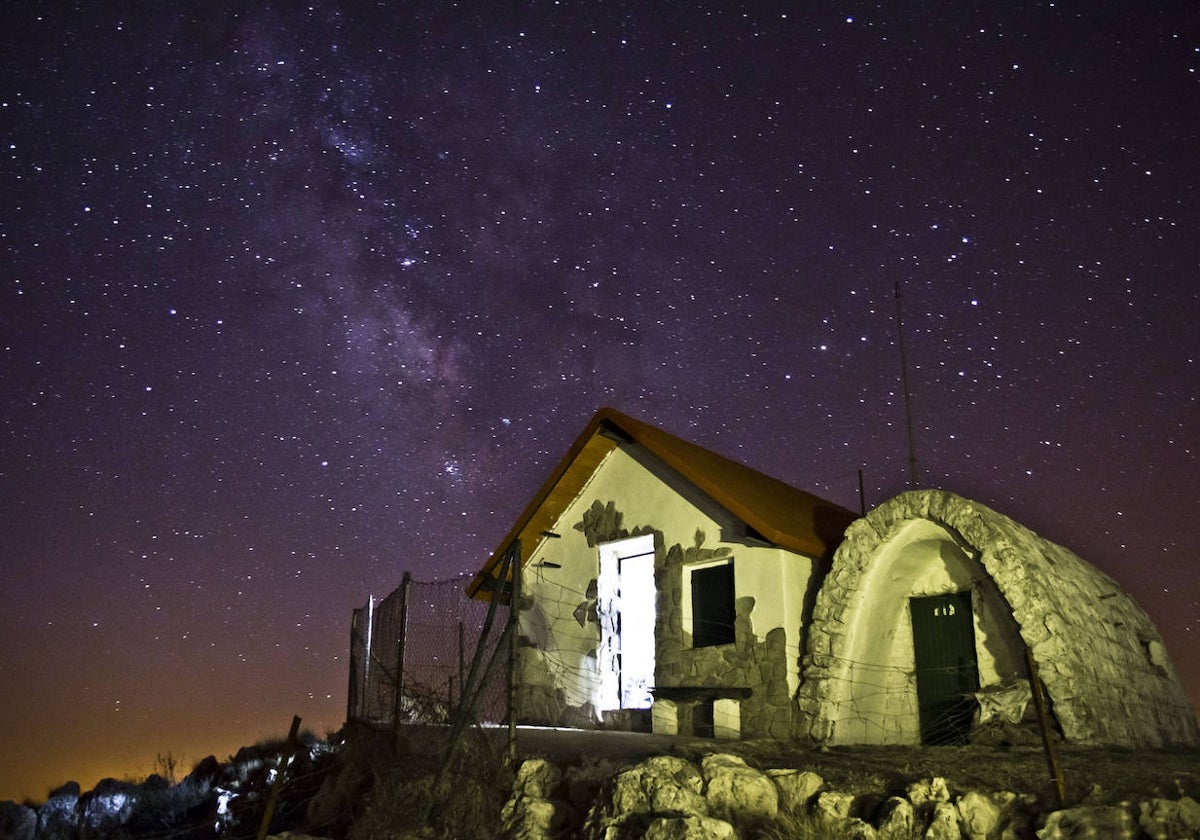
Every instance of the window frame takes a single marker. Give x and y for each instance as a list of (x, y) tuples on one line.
[(724, 634)]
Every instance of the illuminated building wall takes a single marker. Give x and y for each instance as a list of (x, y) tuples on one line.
[(567, 671)]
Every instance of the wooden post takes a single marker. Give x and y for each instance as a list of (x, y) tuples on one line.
[(285, 761), (405, 584), (469, 690), (1039, 699), (461, 660), (514, 619)]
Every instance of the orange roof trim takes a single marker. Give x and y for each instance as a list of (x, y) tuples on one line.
[(782, 514)]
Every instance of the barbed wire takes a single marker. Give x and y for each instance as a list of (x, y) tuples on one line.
[(422, 635), (878, 693)]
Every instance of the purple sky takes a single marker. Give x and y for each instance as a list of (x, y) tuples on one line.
[(299, 298)]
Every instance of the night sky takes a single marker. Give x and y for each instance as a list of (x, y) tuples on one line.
[(298, 298)]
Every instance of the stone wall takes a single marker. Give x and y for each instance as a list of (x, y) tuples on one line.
[(760, 665), (1102, 660)]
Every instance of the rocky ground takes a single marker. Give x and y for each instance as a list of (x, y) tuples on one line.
[(941, 794), (605, 785)]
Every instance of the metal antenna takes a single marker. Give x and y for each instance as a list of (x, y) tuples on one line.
[(913, 477)]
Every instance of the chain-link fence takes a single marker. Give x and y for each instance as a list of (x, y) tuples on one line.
[(422, 637)]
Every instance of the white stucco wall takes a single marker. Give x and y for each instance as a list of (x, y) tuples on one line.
[(560, 569)]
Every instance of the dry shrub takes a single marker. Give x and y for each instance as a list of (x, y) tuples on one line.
[(799, 824), (428, 797)]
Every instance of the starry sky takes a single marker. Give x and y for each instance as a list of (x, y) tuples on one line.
[(297, 297)]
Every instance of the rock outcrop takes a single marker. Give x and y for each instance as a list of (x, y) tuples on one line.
[(722, 796)]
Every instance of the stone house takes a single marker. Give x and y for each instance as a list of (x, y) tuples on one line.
[(666, 588)]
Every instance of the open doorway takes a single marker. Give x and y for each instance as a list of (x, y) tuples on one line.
[(625, 605)]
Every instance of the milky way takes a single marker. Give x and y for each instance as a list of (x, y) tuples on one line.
[(300, 298)]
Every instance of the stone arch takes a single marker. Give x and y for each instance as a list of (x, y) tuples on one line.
[(1100, 657)]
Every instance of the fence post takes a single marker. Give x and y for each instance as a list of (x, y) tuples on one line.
[(397, 704), (285, 761), (461, 661), (352, 688), (514, 619), (370, 699), (1039, 699), (470, 690)]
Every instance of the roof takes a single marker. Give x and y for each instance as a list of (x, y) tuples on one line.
[(779, 513)]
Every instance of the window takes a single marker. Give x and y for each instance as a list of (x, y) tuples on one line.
[(712, 605)]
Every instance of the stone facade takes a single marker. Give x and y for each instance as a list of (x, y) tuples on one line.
[(757, 664), (744, 688), (1102, 661), (752, 671)]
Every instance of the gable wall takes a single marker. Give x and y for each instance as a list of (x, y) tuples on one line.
[(630, 496)]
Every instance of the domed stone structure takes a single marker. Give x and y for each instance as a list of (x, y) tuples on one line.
[(934, 601)]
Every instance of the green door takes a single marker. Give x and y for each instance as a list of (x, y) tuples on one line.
[(947, 671)]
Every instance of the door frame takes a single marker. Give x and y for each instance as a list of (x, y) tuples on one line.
[(946, 665), (626, 672)]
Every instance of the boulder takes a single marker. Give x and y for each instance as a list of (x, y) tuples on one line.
[(1003, 703), (195, 789), (56, 818), (17, 822), (531, 818), (363, 762), (689, 828), (833, 806), (537, 778), (531, 814), (737, 792), (944, 825), (796, 787), (1163, 819), (928, 792), (583, 782), (979, 815), (1089, 821), (856, 829), (109, 805), (896, 819), (658, 784), (663, 785)]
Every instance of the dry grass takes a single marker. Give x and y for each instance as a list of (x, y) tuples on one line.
[(799, 825)]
